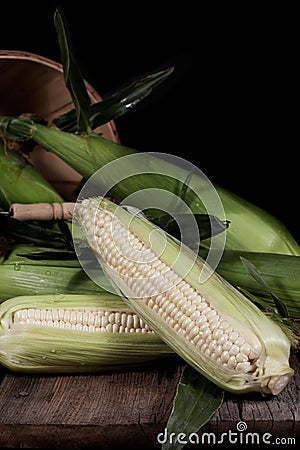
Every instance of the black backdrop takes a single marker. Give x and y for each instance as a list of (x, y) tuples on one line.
[(230, 105)]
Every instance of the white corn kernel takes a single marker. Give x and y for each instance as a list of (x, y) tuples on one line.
[(82, 320)]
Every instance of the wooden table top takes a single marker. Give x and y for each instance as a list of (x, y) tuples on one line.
[(125, 409)]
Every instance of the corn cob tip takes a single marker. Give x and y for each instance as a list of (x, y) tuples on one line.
[(277, 376), (277, 384)]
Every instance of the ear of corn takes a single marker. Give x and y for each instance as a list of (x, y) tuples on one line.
[(74, 333), (251, 228), (208, 323), (20, 182)]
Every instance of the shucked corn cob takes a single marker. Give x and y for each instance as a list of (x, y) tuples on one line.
[(74, 333), (209, 324)]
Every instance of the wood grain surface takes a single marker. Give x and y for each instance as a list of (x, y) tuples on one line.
[(125, 409)]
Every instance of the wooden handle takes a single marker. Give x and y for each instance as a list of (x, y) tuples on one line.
[(42, 211)]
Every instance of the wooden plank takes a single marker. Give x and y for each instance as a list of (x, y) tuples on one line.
[(78, 410), (125, 409)]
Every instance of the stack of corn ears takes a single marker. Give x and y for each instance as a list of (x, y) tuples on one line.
[(252, 229), (163, 311), (211, 325)]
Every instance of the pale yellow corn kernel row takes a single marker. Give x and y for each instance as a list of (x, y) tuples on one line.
[(91, 320), (161, 289)]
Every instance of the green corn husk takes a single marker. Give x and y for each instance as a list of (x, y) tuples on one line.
[(22, 276), (29, 347), (280, 272), (153, 287), (251, 228), (21, 182)]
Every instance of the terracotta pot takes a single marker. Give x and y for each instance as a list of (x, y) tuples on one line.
[(31, 83)]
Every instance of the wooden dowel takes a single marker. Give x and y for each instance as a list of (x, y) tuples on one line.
[(42, 211)]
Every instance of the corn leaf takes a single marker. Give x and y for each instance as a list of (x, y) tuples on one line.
[(49, 255), (196, 400), (116, 105), (290, 326), (67, 235), (208, 225), (30, 255), (27, 232), (279, 272), (254, 272), (73, 78)]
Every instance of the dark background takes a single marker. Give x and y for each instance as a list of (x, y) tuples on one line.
[(230, 105)]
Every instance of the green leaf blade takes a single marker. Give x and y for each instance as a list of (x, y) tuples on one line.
[(208, 225), (280, 272), (124, 100), (115, 105), (73, 78), (281, 307), (66, 255), (196, 400), (27, 232)]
